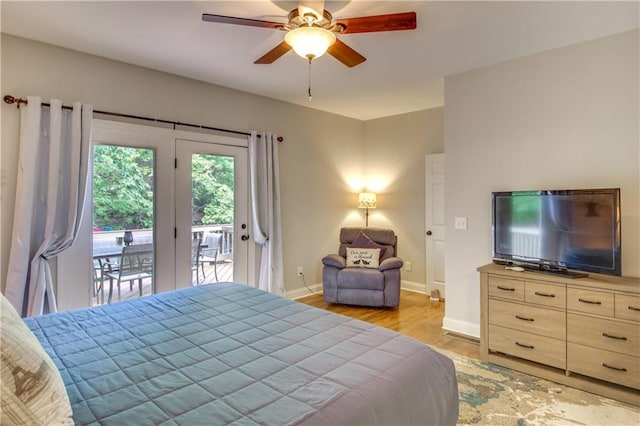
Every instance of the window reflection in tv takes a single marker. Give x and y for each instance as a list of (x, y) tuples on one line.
[(567, 229)]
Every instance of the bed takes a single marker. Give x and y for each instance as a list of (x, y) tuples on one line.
[(232, 354)]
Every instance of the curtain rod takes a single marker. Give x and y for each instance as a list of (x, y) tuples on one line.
[(13, 100)]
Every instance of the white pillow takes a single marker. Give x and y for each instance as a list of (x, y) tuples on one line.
[(32, 390), (363, 257)]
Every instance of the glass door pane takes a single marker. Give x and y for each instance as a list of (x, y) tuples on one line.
[(212, 217), (123, 223)]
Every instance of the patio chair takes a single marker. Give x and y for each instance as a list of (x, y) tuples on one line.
[(209, 253), (97, 280), (136, 263), (195, 258)]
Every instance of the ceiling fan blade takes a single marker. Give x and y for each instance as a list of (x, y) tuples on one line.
[(273, 54), (345, 54), (316, 7), (369, 24), (241, 21)]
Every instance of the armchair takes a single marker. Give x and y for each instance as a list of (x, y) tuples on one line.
[(356, 277)]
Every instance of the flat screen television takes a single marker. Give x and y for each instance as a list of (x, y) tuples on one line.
[(558, 230)]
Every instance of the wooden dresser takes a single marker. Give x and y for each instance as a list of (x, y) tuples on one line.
[(582, 332)]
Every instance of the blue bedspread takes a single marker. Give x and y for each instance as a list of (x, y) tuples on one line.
[(232, 354)]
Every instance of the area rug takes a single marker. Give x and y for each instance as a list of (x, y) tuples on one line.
[(493, 395)]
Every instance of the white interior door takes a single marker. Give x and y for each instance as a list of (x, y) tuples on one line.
[(219, 165), (435, 222)]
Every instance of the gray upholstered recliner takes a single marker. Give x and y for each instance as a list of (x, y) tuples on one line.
[(357, 285)]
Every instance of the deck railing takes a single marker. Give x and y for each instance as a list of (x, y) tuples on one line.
[(142, 236)]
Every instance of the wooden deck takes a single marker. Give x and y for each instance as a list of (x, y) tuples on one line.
[(127, 292)]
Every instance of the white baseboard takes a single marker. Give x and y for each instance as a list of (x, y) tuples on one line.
[(414, 286), (461, 327), (303, 292), (317, 288)]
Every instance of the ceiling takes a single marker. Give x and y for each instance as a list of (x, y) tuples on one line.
[(404, 70)]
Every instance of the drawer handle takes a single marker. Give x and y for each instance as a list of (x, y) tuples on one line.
[(614, 337), (524, 318), (633, 308), (604, 364), (537, 293), (591, 302), (522, 345), (506, 288)]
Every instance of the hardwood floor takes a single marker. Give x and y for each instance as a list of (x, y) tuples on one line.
[(417, 317)]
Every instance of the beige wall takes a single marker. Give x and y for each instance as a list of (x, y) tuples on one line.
[(394, 167), (566, 118), (320, 154)]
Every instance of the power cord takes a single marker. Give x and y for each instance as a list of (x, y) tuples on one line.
[(305, 283)]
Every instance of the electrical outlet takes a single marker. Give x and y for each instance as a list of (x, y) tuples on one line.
[(408, 266), (299, 271)]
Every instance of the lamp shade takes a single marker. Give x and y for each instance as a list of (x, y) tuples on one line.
[(366, 200), (310, 42)]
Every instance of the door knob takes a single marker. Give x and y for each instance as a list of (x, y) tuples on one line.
[(244, 237), (429, 232)]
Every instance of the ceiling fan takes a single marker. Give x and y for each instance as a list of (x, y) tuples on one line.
[(311, 31)]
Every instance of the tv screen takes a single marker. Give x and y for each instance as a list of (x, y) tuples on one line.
[(559, 229)]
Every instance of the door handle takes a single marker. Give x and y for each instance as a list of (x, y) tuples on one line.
[(429, 232), (244, 237)]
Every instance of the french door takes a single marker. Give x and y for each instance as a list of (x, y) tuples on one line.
[(170, 163), (212, 229)]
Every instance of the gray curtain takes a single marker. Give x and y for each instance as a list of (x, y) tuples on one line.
[(53, 164), (265, 209)]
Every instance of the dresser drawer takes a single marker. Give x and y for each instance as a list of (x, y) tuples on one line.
[(589, 301), (543, 350), (545, 294), (627, 307), (506, 288), (605, 365), (606, 334), (531, 319)]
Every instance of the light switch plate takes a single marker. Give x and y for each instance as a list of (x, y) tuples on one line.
[(460, 223)]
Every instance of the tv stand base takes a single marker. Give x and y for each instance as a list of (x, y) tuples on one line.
[(558, 272), (542, 270)]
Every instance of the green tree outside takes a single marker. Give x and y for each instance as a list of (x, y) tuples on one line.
[(212, 191), (123, 188)]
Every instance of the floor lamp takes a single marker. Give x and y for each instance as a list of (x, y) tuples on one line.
[(366, 200)]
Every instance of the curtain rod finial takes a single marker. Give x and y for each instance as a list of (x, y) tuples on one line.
[(8, 99)]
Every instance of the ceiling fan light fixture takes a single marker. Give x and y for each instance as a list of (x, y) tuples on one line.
[(310, 42)]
